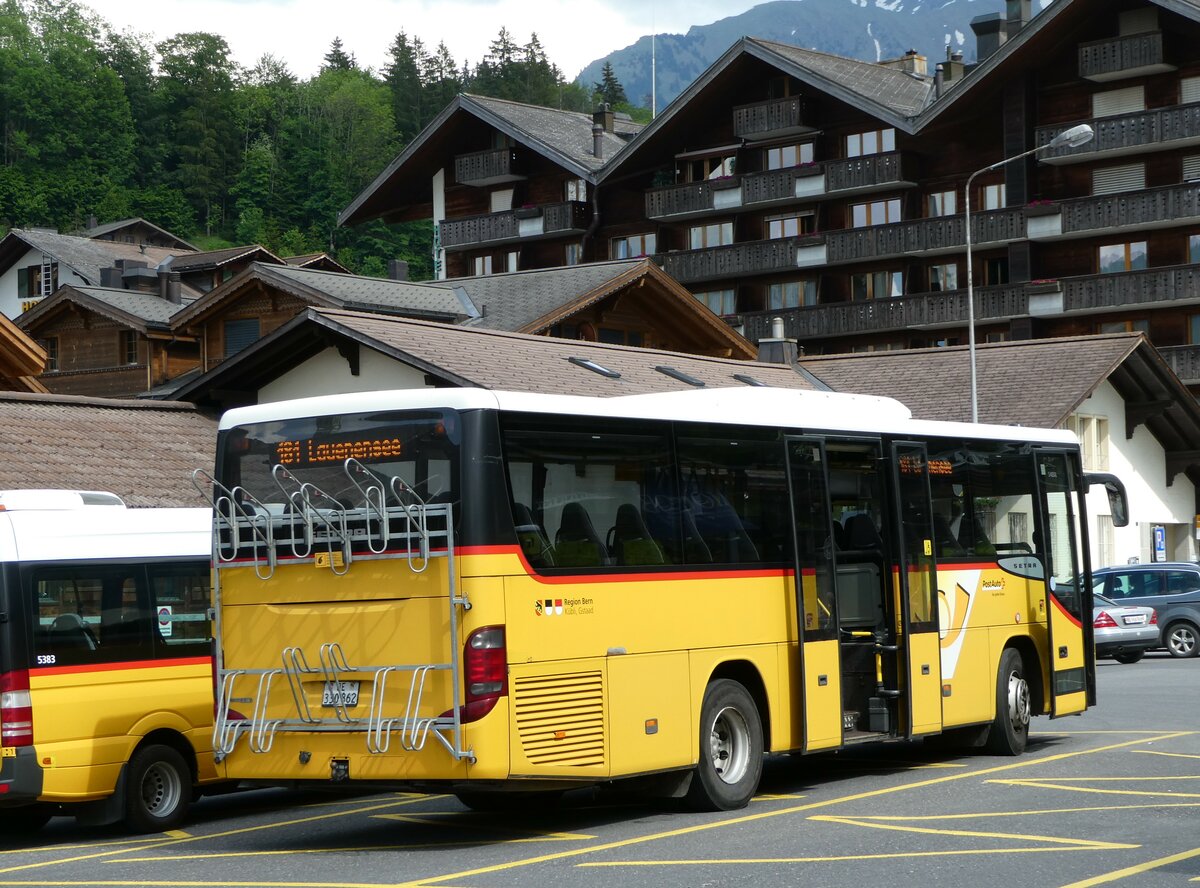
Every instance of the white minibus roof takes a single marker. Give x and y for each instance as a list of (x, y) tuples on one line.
[(57, 500)]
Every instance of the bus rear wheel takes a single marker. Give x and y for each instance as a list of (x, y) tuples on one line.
[(1010, 729), (731, 749), (158, 789)]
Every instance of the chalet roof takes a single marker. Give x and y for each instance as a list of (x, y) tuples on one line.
[(1038, 382), (563, 137), (132, 308), (98, 231), (82, 255), (316, 260), (217, 258), (465, 356), (142, 451), (336, 290), (21, 359)]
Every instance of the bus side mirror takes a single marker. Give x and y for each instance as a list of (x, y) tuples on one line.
[(1118, 502)]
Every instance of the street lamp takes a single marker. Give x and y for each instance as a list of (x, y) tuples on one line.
[(1070, 138)]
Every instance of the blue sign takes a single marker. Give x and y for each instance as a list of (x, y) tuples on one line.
[(1160, 543)]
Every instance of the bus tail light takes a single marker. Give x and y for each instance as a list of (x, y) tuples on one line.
[(16, 709), (485, 667)]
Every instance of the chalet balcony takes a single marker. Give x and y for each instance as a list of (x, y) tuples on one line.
[(492, 167), (766, 120), (752, 191), (924, 310), (1184, 360), (732, 261), (1102, 292), (1118, 57), (940, 234), (1129, 211), (526, 224), (1160, 129)]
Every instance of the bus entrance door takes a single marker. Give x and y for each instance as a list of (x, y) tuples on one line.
[(915, 584), (816, 597)]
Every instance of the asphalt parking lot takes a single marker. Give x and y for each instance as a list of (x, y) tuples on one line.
[(1112, 797)]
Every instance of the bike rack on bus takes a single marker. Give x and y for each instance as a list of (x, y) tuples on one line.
[(228, 505)]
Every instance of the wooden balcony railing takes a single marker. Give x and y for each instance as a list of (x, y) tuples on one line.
[(1102, 59), (881, 315), (487, 167), (940, 233), (679, 200), (1098, 291), (568, 218), (863, 172), (1184, 360), (734, 260), (1173, 203), (1157, 129), (777, 115)]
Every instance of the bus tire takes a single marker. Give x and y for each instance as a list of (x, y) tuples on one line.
[(731, 749), (158, 789), (1010, 729)]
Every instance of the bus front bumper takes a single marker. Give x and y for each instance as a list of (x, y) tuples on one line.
[(20, 776)]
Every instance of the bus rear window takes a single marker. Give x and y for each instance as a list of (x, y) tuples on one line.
[(270, 460)]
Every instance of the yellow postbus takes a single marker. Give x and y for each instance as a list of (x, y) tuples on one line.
[(106, 677), (499, 594)]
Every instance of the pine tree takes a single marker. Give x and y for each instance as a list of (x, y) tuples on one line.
[(609, 88), (336, 59)]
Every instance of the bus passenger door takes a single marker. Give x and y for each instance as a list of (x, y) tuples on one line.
[(1068, 599), (816, 599), (915, 576)]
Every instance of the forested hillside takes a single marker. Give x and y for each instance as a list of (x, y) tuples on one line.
[(95, 122)]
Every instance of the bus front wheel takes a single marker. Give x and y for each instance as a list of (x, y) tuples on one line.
[(731, 749), (158, 789), (1010, 729)]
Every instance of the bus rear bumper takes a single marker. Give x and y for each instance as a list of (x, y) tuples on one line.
[(20, 777)]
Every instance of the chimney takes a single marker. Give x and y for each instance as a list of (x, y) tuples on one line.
[(991, 31), (776, 349), (603, 117), (111, 277), (1018, 16), (174, 288), (939, 80), (397, 270), (163, 277), (598, 141)]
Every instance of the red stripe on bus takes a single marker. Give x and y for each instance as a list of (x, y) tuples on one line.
[(119, 666), (1062, 610)]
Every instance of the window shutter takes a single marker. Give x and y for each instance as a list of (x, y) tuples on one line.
[(23, 283), (1127, 177), (239, 334), (1191, 168), (1102, 444), (1189, 90), (1119, 101)]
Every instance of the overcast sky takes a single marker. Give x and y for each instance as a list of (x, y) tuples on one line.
[(573, 32)]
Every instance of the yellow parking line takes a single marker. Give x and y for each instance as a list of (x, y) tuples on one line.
[(1060, 783), (1136, 869), (876, 823), (763, 861), (1027, 813), (532, 835), (1182, 755)]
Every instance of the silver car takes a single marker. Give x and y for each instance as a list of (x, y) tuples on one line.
[(1123, 631)]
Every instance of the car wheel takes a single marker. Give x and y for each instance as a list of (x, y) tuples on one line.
[(731, 749), (158, 789), (1181, 639), (1129, 657), (1010, 729)]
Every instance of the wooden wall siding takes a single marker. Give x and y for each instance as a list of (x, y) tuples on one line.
[(1100, 57), (121, 383), (731, 261), (1179, 202), (562, 218), (86, 342), (899, 313), (1184, 360), (766, 117), (273, 308), (495, 165), (1131, 288), (941, 233), (1159, 127)]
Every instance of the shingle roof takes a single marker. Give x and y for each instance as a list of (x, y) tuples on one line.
[(217, 258), (149, 307), (1037, 382), (903, 93), (86, 256), (142, 451), (133, 308), (566, 133), (109, 227)]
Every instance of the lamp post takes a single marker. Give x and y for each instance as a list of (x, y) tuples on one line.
[(1070, 138)]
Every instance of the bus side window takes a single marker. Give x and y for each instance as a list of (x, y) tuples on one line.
[(179, 609)]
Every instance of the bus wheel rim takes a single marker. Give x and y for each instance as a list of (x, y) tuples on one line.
[(729, 745), (162, 789), (1018, 700)]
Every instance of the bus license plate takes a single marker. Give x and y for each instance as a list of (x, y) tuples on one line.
[(344, 692), (1133, 619)]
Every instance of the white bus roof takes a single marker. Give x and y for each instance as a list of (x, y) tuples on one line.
[(108, 533), (56, 500), (749, 405)]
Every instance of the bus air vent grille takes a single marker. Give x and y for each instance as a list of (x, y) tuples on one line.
[(560, 718)]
